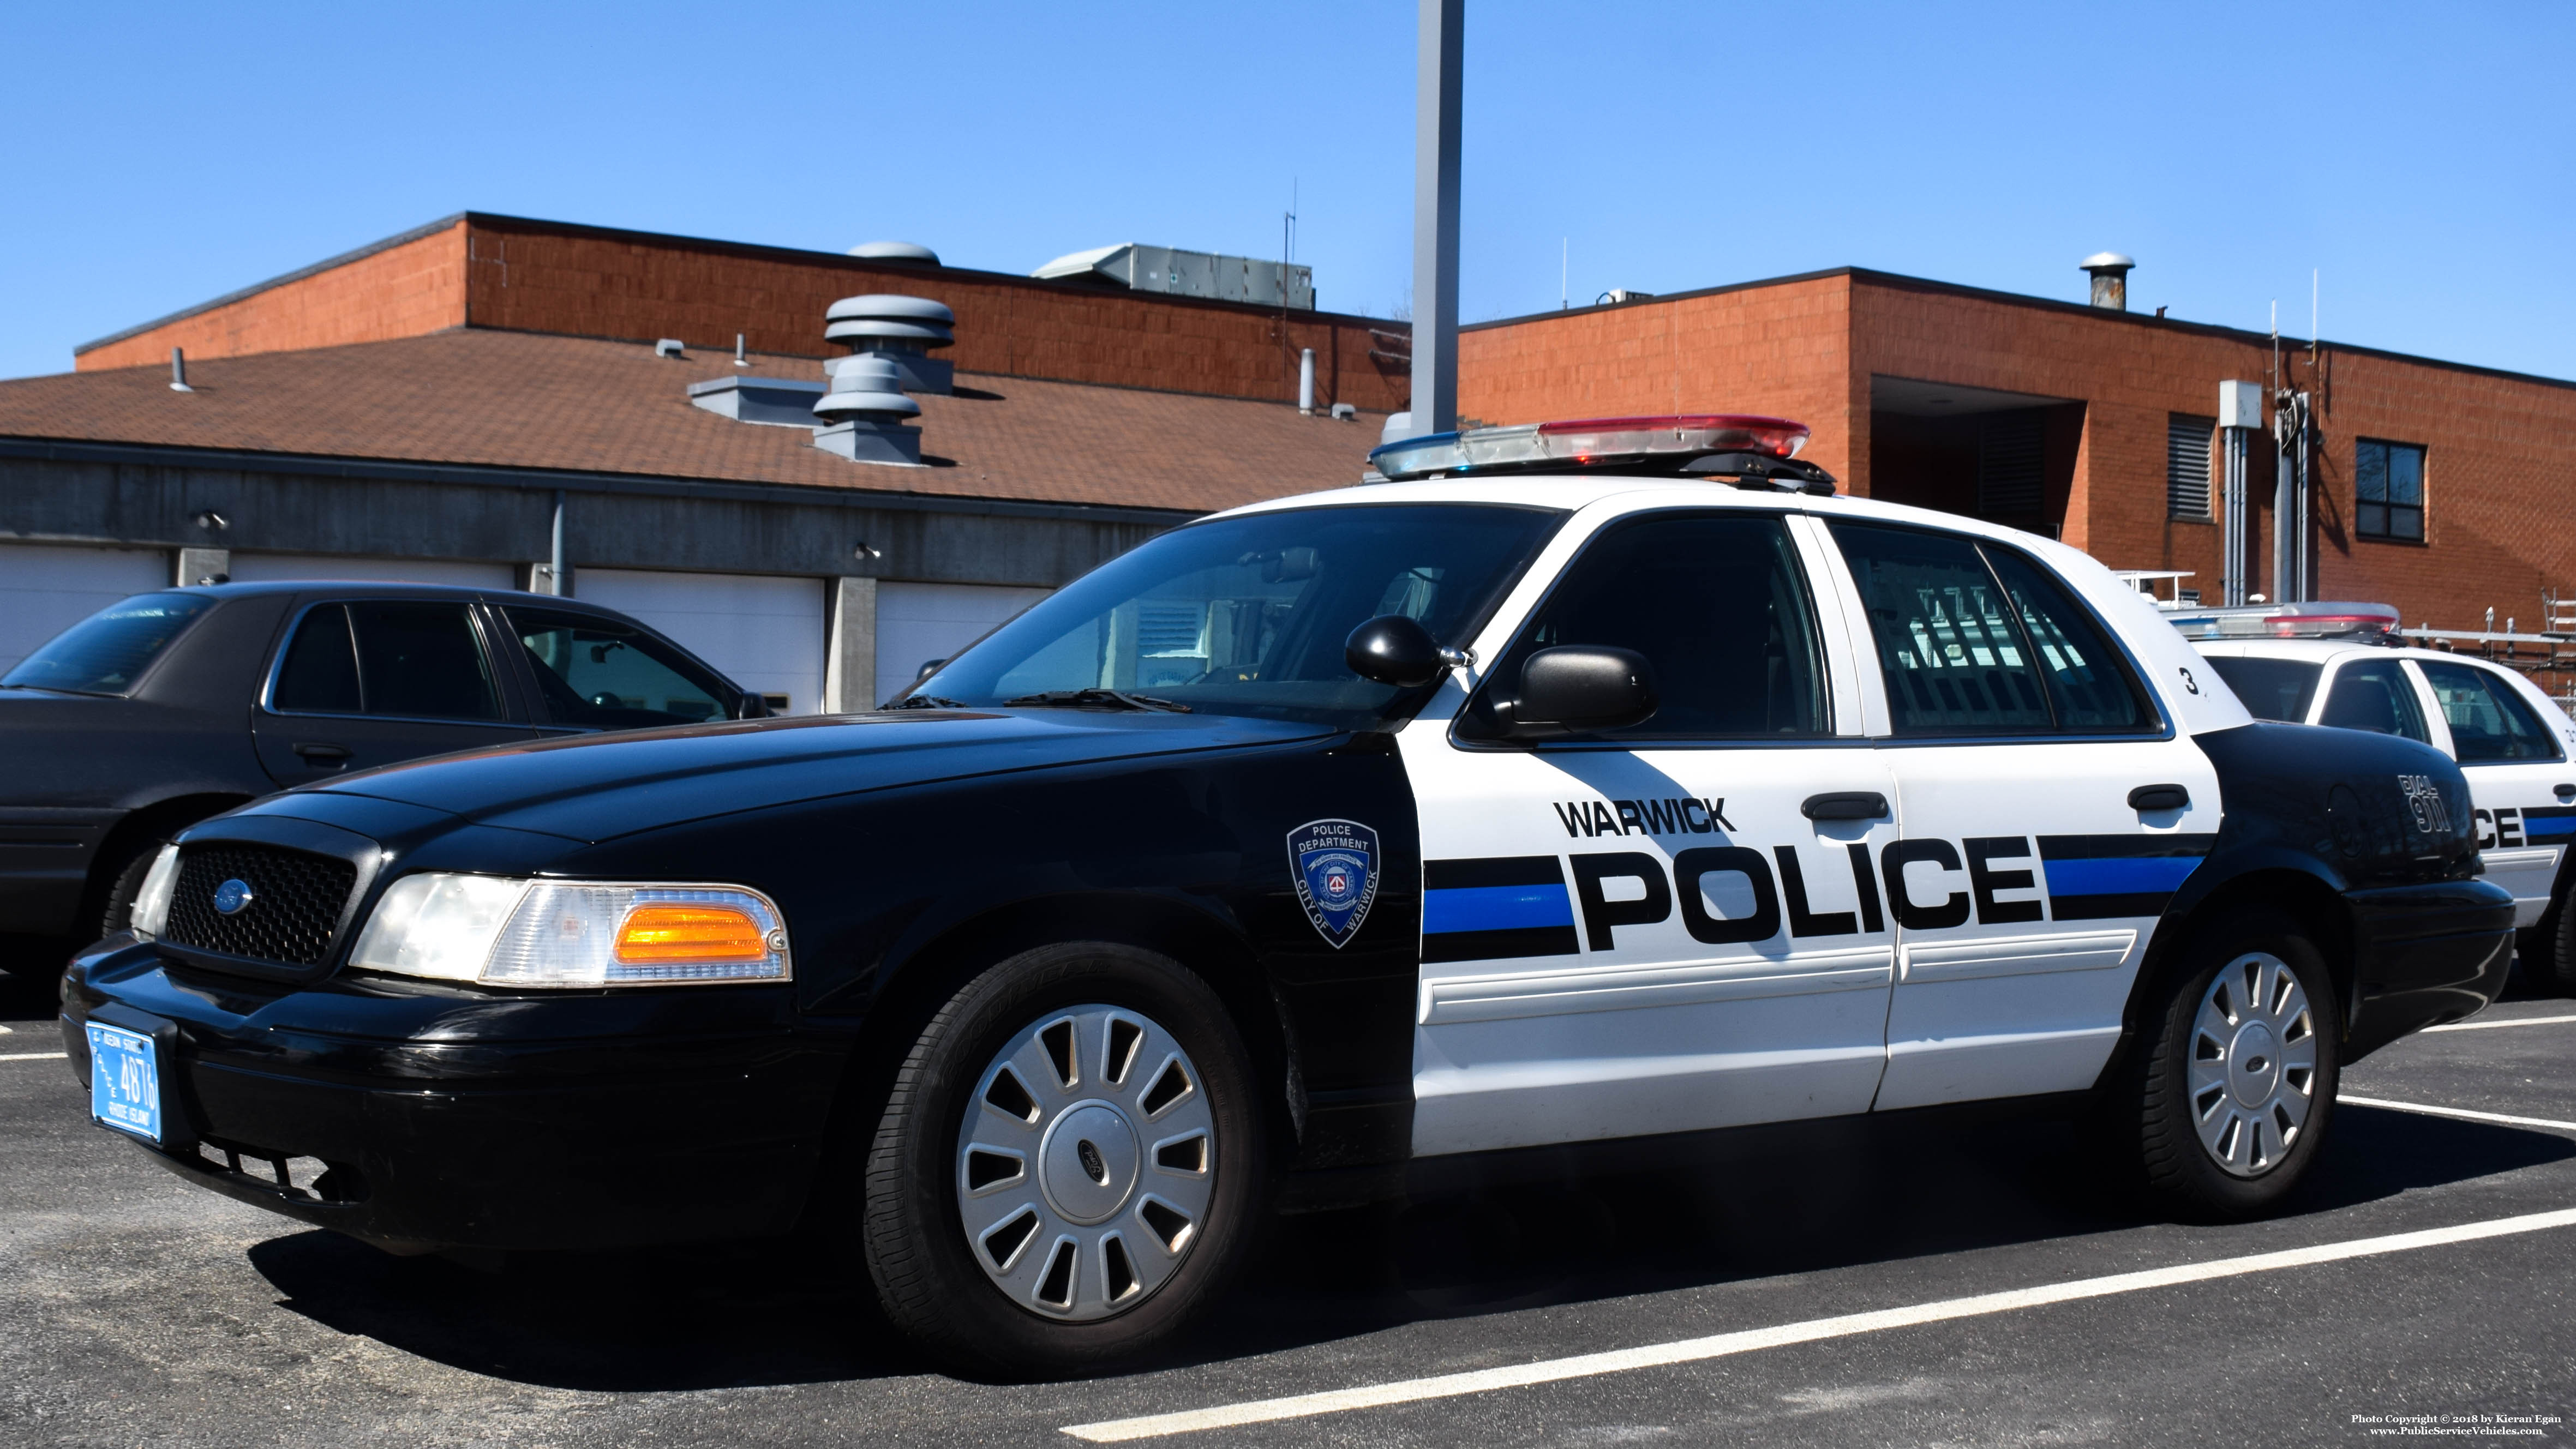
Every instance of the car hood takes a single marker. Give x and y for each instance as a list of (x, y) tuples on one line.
[(598, 787)]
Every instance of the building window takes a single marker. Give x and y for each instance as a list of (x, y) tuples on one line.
[(2388, 480), (2187, 465)]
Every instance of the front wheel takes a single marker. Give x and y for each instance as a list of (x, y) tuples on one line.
[(2549, 950), (1068, 1165), (2232, 1094)]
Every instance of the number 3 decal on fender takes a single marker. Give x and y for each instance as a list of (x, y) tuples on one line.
[(2188, 683)]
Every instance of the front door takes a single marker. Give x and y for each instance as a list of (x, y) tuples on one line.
[(2519, 782), (1673, 926), (370, 682), (2049, 814)]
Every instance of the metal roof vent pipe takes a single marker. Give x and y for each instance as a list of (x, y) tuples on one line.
[(2110, 279), (864, 414), (899, 331)]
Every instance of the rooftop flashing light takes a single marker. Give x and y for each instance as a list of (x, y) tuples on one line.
[(1758, 448), (2324, 619)]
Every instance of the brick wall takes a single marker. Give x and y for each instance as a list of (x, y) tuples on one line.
[(406, 290), (589, 282)]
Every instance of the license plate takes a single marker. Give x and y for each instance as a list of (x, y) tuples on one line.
[(124, 1080)]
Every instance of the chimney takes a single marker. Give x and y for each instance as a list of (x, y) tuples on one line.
[(900, 331), (2110, 279)]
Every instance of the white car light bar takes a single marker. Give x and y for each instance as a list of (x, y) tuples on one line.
[(2324, 619), (504, 932), (1667, 443)]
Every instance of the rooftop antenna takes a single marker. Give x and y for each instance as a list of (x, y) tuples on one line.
[(1564, 266)]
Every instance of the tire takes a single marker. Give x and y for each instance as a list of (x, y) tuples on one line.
[(1026, 1219), (2232, 1093), (132, 862), (2548, 951)]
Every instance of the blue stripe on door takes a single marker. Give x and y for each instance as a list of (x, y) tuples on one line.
[(1496, 908), (2134, 876), (2548, 823)]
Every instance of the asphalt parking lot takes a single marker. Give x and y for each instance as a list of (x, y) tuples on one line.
[(2418, 1276)]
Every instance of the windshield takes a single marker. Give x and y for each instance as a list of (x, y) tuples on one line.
[(1249, 615), (106, 652), (2271, 688)]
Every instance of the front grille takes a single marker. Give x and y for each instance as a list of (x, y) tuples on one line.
[(293, 910)]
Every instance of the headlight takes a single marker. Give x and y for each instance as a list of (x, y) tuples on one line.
[(572, 933), (151, 910)]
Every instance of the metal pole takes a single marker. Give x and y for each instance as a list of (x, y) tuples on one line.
[(2234, 564), (1435, 216), (2300, 552), (555, 562)]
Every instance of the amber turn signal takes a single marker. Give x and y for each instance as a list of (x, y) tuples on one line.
[(689, 933)]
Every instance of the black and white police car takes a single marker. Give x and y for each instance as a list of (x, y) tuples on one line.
[(2513, 742), (1587, 781)]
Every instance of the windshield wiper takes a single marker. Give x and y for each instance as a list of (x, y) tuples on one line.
[(1092, 698), (927, 701)]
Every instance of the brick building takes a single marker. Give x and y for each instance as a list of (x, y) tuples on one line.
[(423, 407)]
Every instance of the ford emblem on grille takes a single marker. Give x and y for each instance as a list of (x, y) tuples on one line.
[(232, 895)]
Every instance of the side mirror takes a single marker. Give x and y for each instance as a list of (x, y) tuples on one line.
[(751, 706), (1582, 688), (1392, 649)]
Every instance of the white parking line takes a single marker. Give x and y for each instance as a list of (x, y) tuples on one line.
[(2492, 1025), (1694, 1350), (2462, 1113), (34, 1056)]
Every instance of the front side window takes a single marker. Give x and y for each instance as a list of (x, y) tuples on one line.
[(1249, 615), (1719, 607), (2375, 695), (2388, 488), (1976, 639), (601, 674), (107, 652), (2489, 720), (410, 660), (2275, 689)]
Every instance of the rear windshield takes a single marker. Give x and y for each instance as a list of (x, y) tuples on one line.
[(2278, 689), (108, 651)]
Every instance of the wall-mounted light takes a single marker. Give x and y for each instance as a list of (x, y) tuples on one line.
[(864, 552), (213, 522)]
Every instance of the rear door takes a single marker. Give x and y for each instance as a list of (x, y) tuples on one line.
[(361, 682), (2519, 782), (2027, 881), (1651, 930)]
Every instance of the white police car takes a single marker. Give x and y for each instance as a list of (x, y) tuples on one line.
[(2513, 742), (1587, 783)]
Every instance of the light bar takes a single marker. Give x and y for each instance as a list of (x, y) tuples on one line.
[(2324, 619), (1666, 443)]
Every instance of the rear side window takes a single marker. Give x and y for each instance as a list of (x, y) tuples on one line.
[(108, 651), (1976, 639), (2375, 695), (2277, 689), (2489, 720), (605, 675), (411, 660)]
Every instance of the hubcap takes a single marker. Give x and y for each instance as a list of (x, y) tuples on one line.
[(1086, 1162), (2253, 1064)]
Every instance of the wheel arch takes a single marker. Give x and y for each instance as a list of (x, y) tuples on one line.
[(158, 820)]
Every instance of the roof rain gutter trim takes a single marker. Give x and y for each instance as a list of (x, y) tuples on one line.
[(368, 470)]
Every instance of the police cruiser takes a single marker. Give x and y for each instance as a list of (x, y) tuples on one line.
[(2512, 741), (1584, 782)]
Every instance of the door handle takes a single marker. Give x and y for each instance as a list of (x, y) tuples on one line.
[(318, 753), (2563, 792), (1845, 805), (2159, 797)]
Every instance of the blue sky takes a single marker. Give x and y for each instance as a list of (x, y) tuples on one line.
[(2419, 157)]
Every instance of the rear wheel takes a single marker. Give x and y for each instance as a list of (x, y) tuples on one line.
[(2233, 1092), (1068, 1165), (2548, 951)]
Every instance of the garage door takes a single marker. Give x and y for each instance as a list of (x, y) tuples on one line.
[(247, 568), (766, 633), (917, 623), (46, 588)]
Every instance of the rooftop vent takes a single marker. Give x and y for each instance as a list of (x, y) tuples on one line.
[(1143, 268), (864, 415), (2110, 279), (899, 331), (895, 251)]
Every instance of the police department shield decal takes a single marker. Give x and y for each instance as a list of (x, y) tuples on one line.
[(1335, 866)]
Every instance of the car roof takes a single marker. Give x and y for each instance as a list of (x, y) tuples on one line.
[(2322, 651), (378, 586)]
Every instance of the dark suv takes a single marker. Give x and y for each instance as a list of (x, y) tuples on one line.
[(160, 711)]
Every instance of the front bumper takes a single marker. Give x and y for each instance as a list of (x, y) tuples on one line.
[(418, 1117), (2425, 955)]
